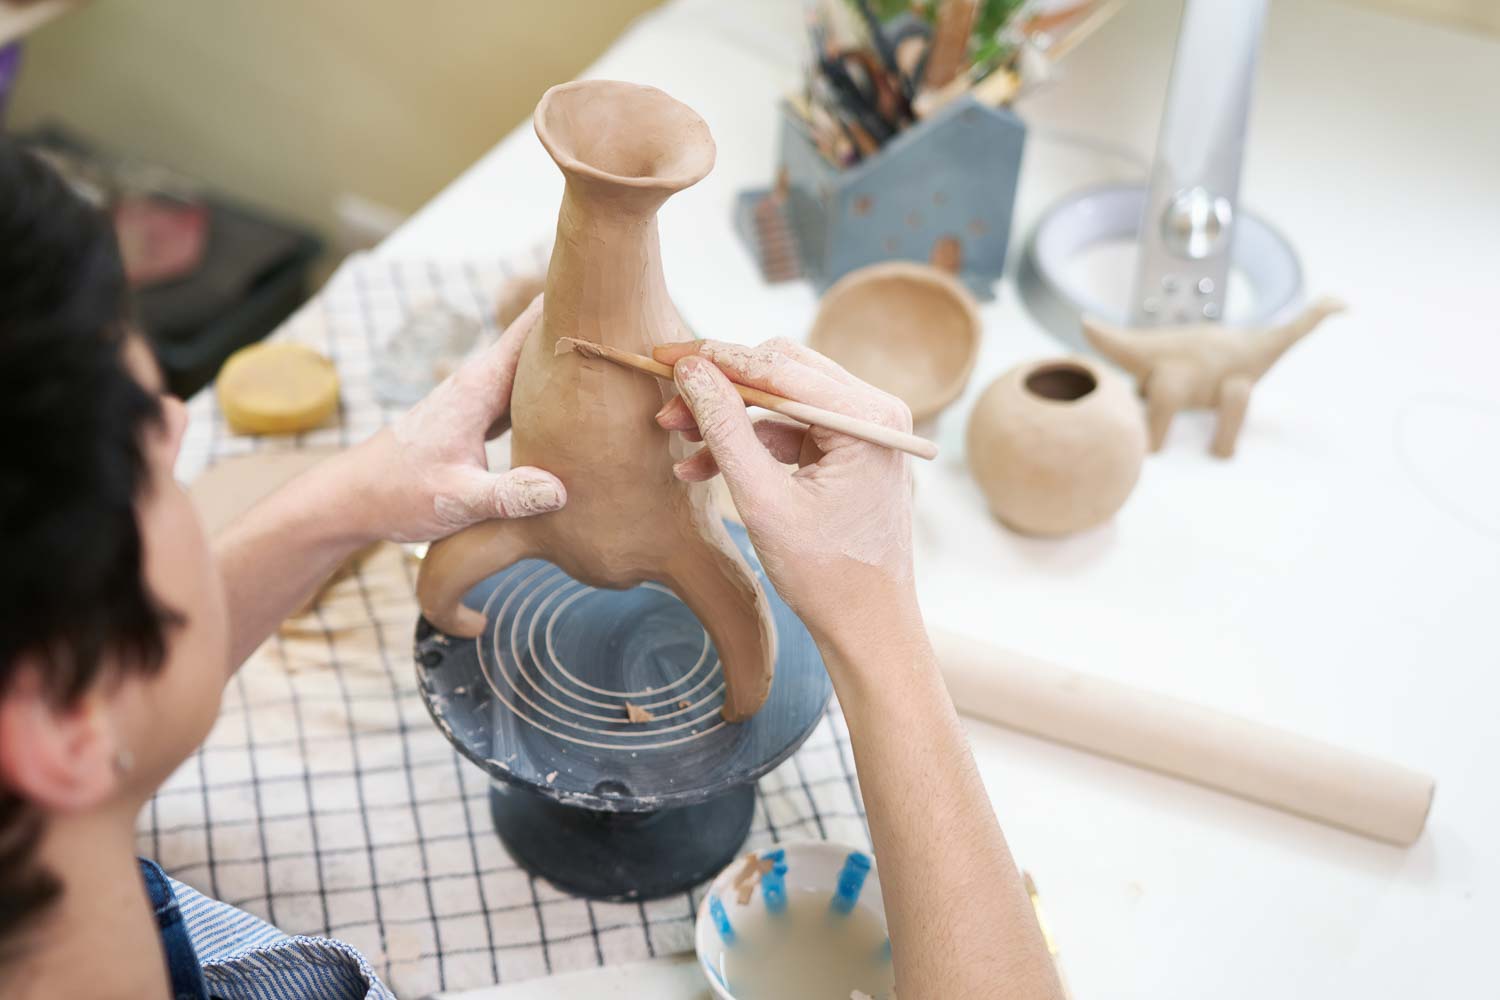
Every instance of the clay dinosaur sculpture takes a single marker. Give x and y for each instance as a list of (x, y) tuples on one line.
[(623, 150), (1204, 366)]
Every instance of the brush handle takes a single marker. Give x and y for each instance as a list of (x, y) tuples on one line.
[(864, 430), (950, 42), (1080, 32)]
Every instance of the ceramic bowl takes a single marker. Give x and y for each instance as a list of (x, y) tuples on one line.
[(910, 329), (846, 874)]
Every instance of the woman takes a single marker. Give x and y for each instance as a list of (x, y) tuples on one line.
[(120, 626)]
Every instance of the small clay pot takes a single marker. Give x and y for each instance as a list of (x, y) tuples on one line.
[(909, 329), (1057, 445)]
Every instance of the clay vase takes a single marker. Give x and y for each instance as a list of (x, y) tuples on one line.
[(1057, 445), (623, 149), (907, 328)]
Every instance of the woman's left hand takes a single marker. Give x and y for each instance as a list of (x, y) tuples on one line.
[(426, 475)]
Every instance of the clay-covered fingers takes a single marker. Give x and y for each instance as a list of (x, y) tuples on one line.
[(782, 438), (495, 368), (677, 416), (668, 354), (812, 359), (719, 414), (469, 495), (791, 370), (895, 413), (772, 367), (780, 366)]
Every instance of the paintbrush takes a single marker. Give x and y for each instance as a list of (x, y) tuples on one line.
[(878, 39), (950, 42), (816, 416)]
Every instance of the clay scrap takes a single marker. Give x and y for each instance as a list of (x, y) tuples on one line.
[(749, 877)]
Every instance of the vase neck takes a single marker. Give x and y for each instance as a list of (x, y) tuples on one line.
[(605, 282)]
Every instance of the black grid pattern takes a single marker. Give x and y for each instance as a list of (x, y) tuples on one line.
[(326, 801)]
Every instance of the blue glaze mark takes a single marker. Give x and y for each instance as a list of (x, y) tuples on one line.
[(773, 883), (721, 920), (884, 954), (713, 971), (851, 883)]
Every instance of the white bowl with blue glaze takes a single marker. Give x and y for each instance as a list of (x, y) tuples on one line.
[(846, 874)]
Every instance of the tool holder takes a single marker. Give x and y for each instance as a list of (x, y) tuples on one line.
[(940, 192)]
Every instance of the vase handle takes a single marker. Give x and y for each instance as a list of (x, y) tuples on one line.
[(708, 574), (453, 566)]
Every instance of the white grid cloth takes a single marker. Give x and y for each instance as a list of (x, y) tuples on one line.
[(325, 800)]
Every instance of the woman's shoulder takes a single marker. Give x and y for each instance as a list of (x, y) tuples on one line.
[(245, 958)]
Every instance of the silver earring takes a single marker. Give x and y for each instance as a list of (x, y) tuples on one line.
[(124, 761)]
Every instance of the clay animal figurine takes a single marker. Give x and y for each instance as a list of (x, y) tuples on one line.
[(623, 150), (1056, 445), (1204, 366)]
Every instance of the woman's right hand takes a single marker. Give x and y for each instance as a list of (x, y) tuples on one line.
[(835, 539), (834, 535)]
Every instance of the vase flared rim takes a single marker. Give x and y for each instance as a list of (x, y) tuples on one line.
[(690, 154)]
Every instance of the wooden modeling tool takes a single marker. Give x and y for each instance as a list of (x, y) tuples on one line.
[(994, 88), (878, 39), (1271, 766), (1079, 31), (950, 41), (816, 416)]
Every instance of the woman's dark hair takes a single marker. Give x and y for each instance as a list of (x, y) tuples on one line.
[(71, 469)]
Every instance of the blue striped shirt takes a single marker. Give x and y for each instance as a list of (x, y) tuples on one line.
[(245, 958)]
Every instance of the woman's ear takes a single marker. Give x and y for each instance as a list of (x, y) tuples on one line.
[(61, 758)]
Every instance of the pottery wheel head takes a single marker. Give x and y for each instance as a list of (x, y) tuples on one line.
[(610, 699)]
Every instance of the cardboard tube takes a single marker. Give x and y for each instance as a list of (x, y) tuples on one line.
[(1280, 769)]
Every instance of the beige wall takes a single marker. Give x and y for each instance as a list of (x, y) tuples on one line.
[(1470, 15), (286, 103)]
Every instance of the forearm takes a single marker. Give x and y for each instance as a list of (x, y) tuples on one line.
[(274, 557), (961, 922)]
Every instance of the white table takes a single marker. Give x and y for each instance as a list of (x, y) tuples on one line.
[(1339, 577)]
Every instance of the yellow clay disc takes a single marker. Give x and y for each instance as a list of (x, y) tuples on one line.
[(277, 388)]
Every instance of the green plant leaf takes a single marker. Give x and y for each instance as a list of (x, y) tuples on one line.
[(885, 9), (995, 15)]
